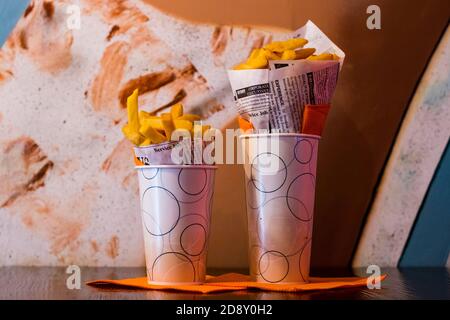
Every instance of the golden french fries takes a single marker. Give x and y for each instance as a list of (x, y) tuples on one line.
[(146, 142), (154, 122), (135, 137), (183, 124), (323, 56), (144, 129), (144, 115), (153, 134), (291, 44), (167, 123), (177, 110), (291, 49), (304, 53), (190, 117), (288, 55), (132, 108)]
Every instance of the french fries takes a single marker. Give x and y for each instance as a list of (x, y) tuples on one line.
[(132, 108), (304, 53), (144, 129), (291, 44), (291, 49), (135, 137), (324, 56), (167, 124)]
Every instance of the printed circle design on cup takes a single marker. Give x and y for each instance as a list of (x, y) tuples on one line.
[(279, 227), (176, 212), (175, 262), (280, 211), (157, 227), (189, 239), (150, 173), (272, 274), (271, 171), (295, 205), (254, 253), (184, 178), (303, 261), (300, 197), (184, 222), (303, 151)]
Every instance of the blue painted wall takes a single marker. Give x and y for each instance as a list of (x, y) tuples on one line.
[(429, 241), (10, 12)]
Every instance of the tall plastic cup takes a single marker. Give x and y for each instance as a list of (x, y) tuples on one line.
[(280, 174), (176, 204)]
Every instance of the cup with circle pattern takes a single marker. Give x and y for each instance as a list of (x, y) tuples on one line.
[(176, 203), (280, 171)]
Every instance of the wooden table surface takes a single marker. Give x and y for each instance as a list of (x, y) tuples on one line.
[(50, 283)]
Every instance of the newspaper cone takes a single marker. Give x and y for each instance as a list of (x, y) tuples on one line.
[(274, 98)]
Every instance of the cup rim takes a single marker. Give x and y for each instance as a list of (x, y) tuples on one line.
[(176, 166), (280, 134)]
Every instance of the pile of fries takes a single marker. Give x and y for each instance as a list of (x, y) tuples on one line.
[(144, 129), (291, 49)]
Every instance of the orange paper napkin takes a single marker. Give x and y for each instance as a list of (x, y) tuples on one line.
[(236, 281)]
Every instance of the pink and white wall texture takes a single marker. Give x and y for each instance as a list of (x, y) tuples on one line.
[(68, 191)]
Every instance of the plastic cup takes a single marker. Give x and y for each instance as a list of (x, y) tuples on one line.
[(280, 172), (176, 204)]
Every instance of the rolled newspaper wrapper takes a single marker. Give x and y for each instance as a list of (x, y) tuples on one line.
[(275, 98), (280, 174), (176, 203), (184, 152)]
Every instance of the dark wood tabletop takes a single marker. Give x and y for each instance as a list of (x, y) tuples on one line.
[(50, 283)]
